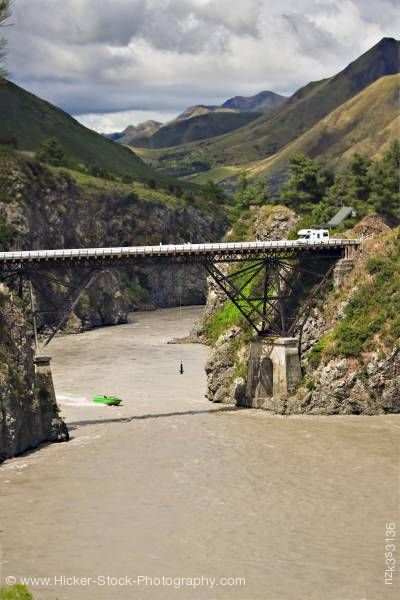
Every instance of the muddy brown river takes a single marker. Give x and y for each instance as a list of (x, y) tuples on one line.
[(170, 497)]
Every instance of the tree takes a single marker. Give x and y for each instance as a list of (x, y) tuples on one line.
[(353, 186), (211, 192), (4, 14), (51, 152), (385, 184), (307, 183), (251, 194)]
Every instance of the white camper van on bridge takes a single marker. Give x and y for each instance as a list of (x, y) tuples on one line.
[(313, 235)]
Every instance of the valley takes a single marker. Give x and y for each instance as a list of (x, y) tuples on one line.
[(256, 386)]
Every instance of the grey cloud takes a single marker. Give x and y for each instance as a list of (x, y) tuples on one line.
[(94, 56), (310, 39)]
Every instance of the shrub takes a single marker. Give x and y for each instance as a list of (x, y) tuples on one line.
[(16, 592), (51, 152)]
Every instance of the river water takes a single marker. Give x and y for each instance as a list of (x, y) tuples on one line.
[(169, 485)]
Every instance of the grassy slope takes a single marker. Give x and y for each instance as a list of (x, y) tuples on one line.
[(199, 127), (268, 134), (371, 319), (95, 187), (31, 121), (366, 123)]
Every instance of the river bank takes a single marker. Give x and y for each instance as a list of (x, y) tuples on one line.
[(168, 484)]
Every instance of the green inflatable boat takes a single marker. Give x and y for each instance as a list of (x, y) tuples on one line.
[(109, 400)]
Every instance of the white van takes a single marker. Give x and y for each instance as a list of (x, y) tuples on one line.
[(313, 235)]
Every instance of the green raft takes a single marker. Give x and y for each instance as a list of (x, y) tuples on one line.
[(109, 400)]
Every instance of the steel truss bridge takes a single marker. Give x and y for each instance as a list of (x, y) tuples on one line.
[(273, 285)]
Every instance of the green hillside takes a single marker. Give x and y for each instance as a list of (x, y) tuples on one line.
[(199, 127), (268, 134), (30, 120), (366, 124)]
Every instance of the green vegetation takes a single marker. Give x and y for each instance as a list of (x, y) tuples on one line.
[(198, 128), (306, 185), (365, 124), (137, 296), (368, 186), (250, 194), (51, 152), (16, 592), (220, 321), (7, 233), (28, 122), (372, 316)]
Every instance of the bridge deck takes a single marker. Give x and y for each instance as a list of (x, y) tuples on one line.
[(209, 251)]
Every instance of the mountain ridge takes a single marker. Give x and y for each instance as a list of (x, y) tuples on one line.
[(27, 121), (267, 135)]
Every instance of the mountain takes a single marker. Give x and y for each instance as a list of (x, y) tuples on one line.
[(203, 126), (367, 124), (196, 111), (261, 102), (27, 121), (267, 135), (135, 134), (199, 122)]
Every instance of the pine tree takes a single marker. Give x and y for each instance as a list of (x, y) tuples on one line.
[(352, 187), (307, 183), (51, 152), (251, 194), (385, 184)]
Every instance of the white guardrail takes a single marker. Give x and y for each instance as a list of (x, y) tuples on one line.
[(170, 250)]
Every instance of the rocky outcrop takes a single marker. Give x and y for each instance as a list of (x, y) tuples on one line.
[(40, 208), (367, 382), (342, 386), (220, 369), (28, 408)]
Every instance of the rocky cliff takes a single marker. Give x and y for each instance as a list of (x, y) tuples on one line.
[(28, 409), (350, 346), (43, 208)]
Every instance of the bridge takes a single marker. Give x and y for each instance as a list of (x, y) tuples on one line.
[(273, 287), (265, 291), (204, 253)]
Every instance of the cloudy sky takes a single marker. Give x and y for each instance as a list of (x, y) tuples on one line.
[(115, 62)]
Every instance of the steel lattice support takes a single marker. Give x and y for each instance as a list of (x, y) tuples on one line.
[(271, 294)]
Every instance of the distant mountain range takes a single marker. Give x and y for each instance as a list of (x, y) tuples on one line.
[(328, 119), (136, 134), (199, 122), (356, 110)]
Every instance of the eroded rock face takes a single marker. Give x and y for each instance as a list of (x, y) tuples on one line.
[(340, 386), (343, 387), (47, 210), (28, 409), (220, 369)]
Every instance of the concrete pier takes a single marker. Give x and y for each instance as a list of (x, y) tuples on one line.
[(43, 379), (342, 269), (274, 373)]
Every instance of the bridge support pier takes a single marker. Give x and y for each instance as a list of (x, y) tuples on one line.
[(44, 378), (341, 271), (273, 374)]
